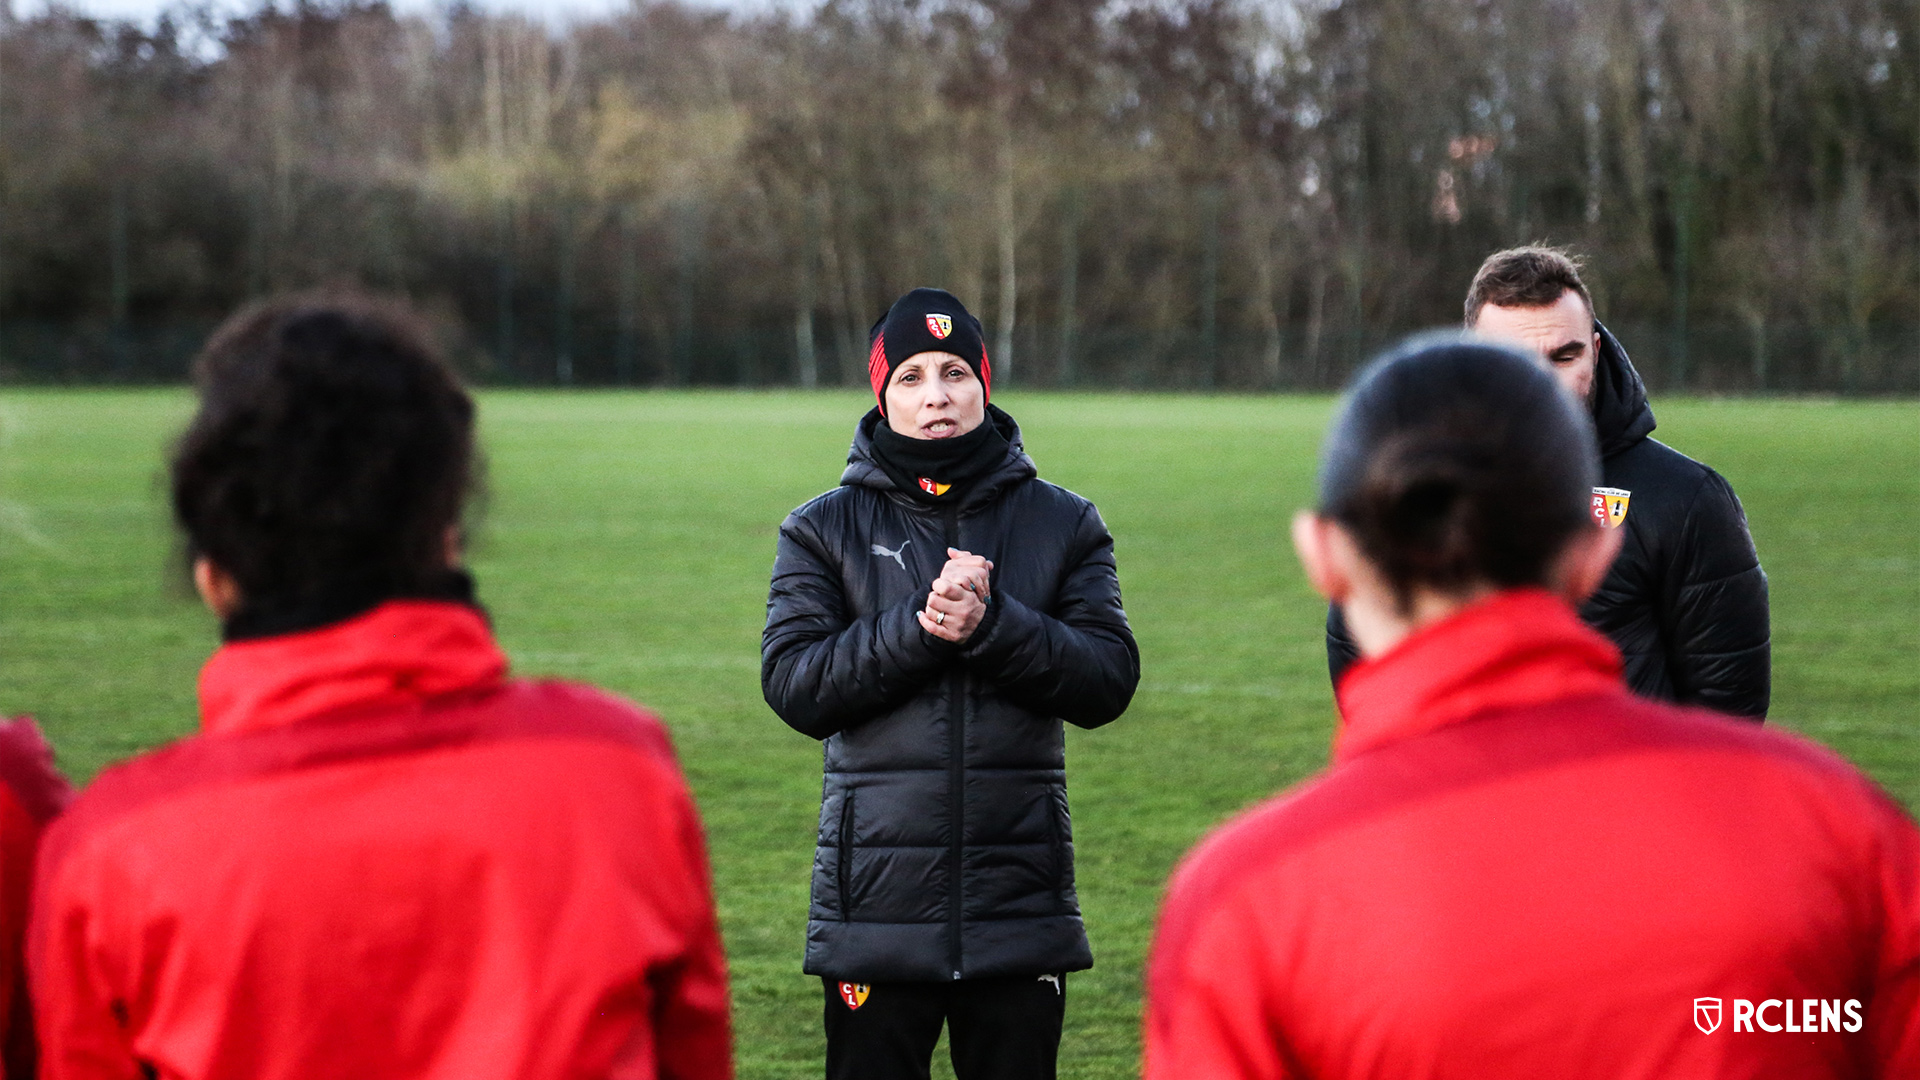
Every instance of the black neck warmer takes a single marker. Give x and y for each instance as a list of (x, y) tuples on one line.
[(938, 472), (271, 617)]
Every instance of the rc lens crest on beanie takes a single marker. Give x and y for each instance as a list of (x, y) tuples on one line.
[(926, 320)]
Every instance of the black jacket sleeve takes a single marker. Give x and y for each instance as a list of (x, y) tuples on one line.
[(1342, 653), (1714, 619), (822, 671), (1080, 663)]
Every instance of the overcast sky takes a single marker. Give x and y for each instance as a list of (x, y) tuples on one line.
[(556, 11)]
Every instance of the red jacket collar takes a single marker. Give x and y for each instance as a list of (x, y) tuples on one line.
[(1520, 647), (400, 653)]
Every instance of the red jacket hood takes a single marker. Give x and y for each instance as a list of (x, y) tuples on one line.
[(400, 653), (1516, 648)]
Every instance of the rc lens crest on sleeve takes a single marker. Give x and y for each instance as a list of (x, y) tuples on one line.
[(1610, 506)]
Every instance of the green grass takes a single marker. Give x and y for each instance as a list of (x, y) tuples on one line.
[(628, 539)]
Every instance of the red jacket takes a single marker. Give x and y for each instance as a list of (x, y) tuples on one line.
[(382, 858), (1515, 869), (31, 793)]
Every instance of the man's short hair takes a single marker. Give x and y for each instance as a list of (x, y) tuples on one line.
[(1531, 276), (332, 450)]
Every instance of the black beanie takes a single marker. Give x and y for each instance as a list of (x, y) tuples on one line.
[(926, 320)]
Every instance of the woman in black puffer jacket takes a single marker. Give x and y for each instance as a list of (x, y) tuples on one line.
[(934, 619)]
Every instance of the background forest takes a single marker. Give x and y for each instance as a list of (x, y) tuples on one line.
[(1186, 193)]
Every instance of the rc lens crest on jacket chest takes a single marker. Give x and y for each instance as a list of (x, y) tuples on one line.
[(1610, 506)]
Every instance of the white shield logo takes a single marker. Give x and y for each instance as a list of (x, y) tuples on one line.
[(1706, 1015)]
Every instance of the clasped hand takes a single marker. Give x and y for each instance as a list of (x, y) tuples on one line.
[(958, 599)]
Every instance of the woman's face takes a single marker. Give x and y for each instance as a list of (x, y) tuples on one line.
[(935, 395)]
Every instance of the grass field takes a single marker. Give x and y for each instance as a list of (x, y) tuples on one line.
[(627, 542)]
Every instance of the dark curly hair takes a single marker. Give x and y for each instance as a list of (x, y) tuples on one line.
[(332, 451), (1454, 463)]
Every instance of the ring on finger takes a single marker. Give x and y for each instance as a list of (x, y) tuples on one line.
[(939, 618)]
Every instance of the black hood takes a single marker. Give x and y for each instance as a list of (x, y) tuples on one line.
[(863, 471), (1621, 415)]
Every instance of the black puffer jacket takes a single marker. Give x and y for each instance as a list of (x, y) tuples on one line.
[(945, 847), (1686, 601)]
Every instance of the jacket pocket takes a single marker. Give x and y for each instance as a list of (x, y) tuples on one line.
[(1058, 832), (845, 862)]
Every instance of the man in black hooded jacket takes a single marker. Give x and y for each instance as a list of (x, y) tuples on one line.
[(1686, 601), (934, 619)]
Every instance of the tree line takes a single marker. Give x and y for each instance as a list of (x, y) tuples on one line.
[(1184, 193)]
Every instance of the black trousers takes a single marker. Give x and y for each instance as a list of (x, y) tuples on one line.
[(997, 1029)]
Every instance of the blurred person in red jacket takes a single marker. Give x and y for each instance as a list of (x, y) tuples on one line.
[(381, 856), (1514, 867), (32, 792)]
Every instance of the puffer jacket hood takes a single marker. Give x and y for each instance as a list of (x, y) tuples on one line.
[(863, 471), (1621, 414), (945, 845)]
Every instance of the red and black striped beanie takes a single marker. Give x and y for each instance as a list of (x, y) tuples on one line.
[(926, 320)]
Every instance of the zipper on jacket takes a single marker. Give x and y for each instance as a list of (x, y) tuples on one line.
[(846, 856), (956, 780)]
